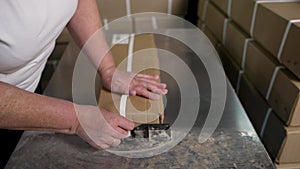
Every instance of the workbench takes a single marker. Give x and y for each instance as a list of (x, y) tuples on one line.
[(234, 144)]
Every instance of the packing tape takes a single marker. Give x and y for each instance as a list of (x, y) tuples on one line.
[(154, 22), (287, 30), (255, 11), (238, 83), (225, 30), (123, 105), (245, 52), (170, 3), (130, 53), (229, 8), (263, 126), (272, 81), (128, 7), (128, 69), (105, 24), (204, 10)]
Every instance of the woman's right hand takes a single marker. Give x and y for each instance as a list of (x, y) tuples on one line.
[(101, 128)]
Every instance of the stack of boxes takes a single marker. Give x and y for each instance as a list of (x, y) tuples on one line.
[(259, 45)]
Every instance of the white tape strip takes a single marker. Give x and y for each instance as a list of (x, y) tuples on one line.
[(229, 8), (204, 10), (130, 53), (238, 84), (272, 81), (154, 22), (263, 126), (128, 69), (225, 30), (105, 24), (253, 18), (170, 3), (245, 52), (128, 7), (287, 30), (123, 105)]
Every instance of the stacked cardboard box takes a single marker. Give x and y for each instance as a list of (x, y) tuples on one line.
[(114, 9), (261, 39)]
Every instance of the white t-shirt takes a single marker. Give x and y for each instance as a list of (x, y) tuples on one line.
[(28, 31)]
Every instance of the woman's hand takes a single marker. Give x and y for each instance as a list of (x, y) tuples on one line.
[(101, 128), (133, 84)]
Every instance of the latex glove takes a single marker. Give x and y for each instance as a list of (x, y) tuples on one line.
[(101, 128), (134, 84)]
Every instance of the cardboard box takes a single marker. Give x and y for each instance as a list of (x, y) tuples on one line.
[(288, 166), (271, 24), (290, 53), (215, 21), (285, 98), (138, 6), (278, 86), (202, 8), (138, 109), (210, 36), (281, 142), (260, 67), (236, 42), (179, 7), (255, 105), (242, 13), (112, 9), (224, 6), (232, 70)]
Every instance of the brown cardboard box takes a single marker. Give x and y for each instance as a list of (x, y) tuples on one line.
[(175, 7), (138, 109), (242, 12), (285, 98), (64, 37), (259, 67), (263, 71), (224, 6), (215, 21), (202, 8), (290, 53), (288, 166), (210, 36), (179, 7), (254, 104), (271, 23), (281, 142), (138, 6), (112, 9), (236, 44), (232, 70)]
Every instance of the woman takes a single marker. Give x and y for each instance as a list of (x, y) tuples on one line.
[(28, 30)]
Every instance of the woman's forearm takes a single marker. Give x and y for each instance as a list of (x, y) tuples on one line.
[(22, 110), (85, 26)]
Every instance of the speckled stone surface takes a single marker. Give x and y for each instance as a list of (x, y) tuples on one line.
[(224, 149)]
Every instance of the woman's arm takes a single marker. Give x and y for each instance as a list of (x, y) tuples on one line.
[(23, 110)]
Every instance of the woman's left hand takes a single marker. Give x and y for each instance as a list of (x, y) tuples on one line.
[(133, 84)]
